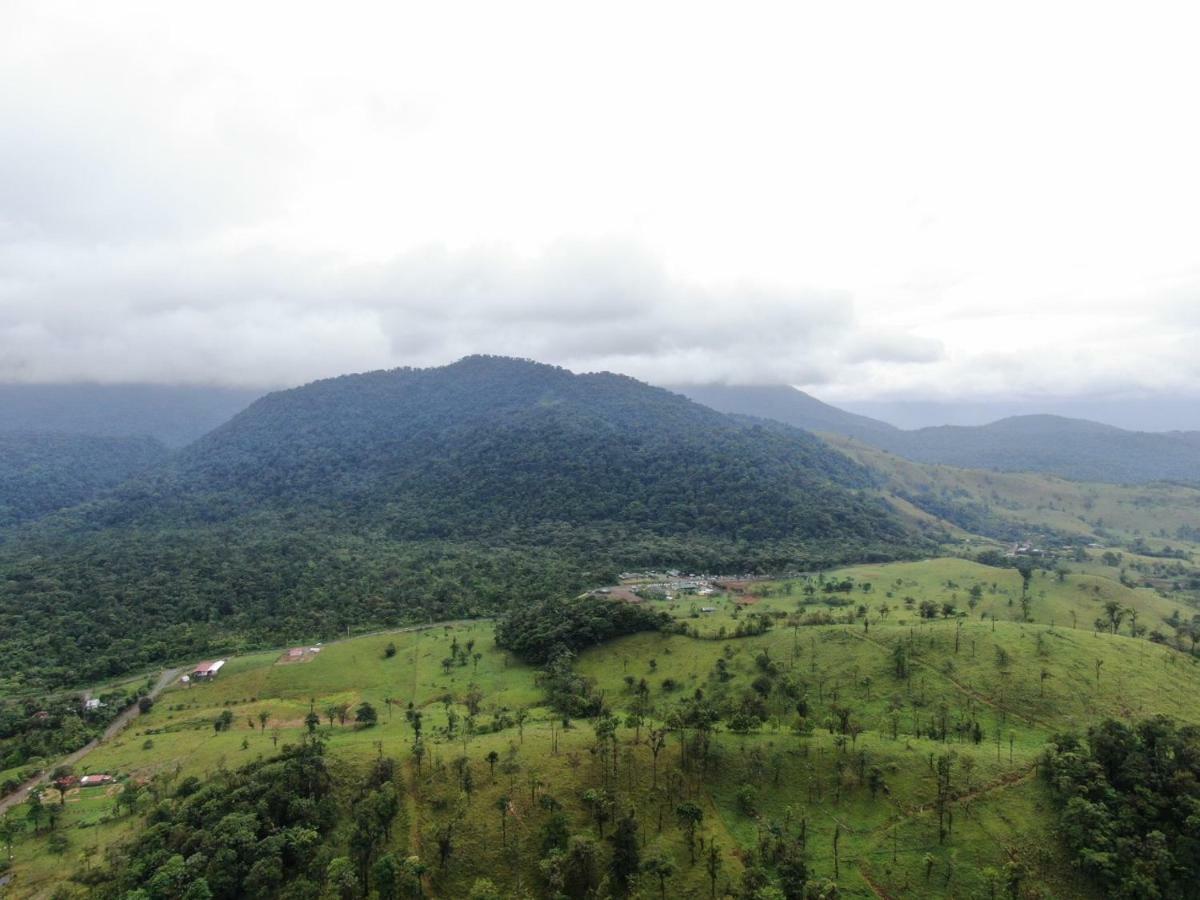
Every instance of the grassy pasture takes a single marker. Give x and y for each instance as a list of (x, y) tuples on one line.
[(1020, 681)]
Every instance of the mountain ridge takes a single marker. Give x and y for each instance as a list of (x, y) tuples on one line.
[(391, 497), (1071, 448)]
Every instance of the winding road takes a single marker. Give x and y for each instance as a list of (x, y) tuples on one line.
[(114, 728)]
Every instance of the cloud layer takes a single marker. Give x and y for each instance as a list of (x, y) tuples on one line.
[(870, 203)]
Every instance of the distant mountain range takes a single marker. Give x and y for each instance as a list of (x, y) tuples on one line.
[(1156, 412), (1071, 448), (383, 497), (173, 414)]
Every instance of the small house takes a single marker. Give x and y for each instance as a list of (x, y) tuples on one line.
[(95, 780), (207, 671)]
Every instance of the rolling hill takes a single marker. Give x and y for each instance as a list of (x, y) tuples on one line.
[(1070, 448), (392, 496), (859, 742)]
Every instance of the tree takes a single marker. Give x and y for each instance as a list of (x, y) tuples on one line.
[(657, 739), (1115, 612), (264, 716), (875, 781), (689, 816), (661, 865), (311, 721), (712, 865), (492, 758), (342, 881), (600, 803), (580, 866), (366, 715), (626, 856), (942, 771), (386, 874), (503, 805)]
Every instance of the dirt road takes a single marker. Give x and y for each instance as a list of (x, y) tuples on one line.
[(115, 727)]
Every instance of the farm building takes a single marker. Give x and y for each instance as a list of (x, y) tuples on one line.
[(207, 671), (95, 780)]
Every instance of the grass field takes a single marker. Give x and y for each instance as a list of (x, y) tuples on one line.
[(990, 692), (1160, 514)]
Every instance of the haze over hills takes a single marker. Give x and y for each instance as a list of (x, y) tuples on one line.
[(1162, 411), (1071, 448), (44, 472), (173, 414), (410, 493)]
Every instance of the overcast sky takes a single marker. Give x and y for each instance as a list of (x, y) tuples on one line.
[(974, 201)]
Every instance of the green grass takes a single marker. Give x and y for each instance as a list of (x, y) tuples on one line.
[(1125, 513), (802, 781)]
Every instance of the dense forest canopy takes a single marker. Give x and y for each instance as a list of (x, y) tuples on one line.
[(41, 472), (398, 496), (1130, 805)]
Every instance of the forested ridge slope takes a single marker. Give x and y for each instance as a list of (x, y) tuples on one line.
[(43, 472), (389, 496)]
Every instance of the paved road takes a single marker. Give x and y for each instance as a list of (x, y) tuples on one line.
[(114, 728)]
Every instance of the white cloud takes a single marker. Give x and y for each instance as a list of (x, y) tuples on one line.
[(929, 199)]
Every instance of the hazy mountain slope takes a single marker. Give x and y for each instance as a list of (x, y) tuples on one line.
[(1070, 448), (382, 497), (174, 414), (788, 405), (1156, 413), (41, 473)]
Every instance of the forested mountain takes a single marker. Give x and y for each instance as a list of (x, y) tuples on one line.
[(381, 497), (1071, 448), (40, 473), (174, 414)]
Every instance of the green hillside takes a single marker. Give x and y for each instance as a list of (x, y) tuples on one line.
[(1011, 505), (44, 472), (400, 496), (832, 724)]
